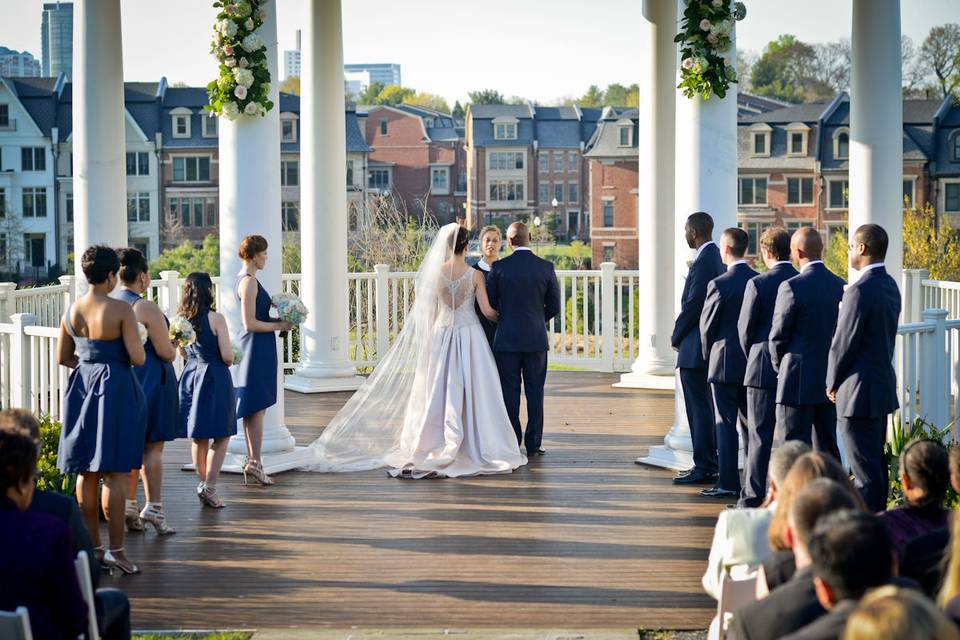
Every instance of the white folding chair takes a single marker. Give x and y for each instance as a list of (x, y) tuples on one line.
[(733, 595), (82, 566), (15, 625)]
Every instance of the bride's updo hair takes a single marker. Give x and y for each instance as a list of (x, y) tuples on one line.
[(460, 242)]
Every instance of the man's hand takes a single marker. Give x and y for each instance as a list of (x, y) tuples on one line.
[(832, 395), (677, 349)]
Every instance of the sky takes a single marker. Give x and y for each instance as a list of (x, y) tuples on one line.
[(514, 46)]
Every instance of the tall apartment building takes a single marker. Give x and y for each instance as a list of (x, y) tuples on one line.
[(384, 73), (17, 64), (291, 60), (56, 38)]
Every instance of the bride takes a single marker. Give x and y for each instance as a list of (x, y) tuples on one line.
[(433, 406)]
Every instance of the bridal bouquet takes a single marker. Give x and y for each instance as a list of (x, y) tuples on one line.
[(237, 352), (181, 331), (289, 308), (142, 330)]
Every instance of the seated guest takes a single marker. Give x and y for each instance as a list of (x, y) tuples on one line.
[(890, 613), (113, 608), (851, 552), (922, 558), (36, 561), (740, 537), (924, 473), (778, 567), (794, 605)]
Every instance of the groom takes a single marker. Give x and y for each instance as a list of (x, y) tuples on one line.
[(523, 289)]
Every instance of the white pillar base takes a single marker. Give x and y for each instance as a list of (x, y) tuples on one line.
[(635, 380), (303, 383)]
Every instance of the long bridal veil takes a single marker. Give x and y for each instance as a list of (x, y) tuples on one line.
[(365, 434)]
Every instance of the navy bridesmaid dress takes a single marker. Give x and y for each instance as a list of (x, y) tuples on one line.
[(207, 396), (257, 371), (104, 410), (159, 383)]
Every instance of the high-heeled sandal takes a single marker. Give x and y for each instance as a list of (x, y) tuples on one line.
[(200, 487), (114, 563), (211, 499), (255, 469), (131, 518), (152, 514), (99, 552)]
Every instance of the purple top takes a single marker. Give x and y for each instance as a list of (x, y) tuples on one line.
[(908, 522)]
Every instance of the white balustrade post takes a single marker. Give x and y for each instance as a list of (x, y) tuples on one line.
[(170, 292), (8, 305), (607, 319), (935, 387), (382, 311), (324, 362), (20, 391), (71, 293), (913, 296)]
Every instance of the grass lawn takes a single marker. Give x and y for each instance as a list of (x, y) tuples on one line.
[(215, 635)]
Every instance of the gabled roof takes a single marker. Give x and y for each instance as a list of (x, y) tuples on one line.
[(807, 113), (491, 111), (605, 141), (37, 95)]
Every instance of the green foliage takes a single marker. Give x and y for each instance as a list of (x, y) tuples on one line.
[(291, 257), (458, 112), (394, 94), (836, 257), (369, 95), (573, 256), (486, 96), (787, 70), (930, 243), (429, 100), (903, 435), (50, 477), (188, 258), (615, 95)]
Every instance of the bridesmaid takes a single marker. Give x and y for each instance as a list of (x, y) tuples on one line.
[(104, 410), (159, 383), (490, 241), (257, 372), (207, 396)]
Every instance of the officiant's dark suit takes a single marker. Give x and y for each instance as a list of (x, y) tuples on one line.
[(523, 289), (686, 341), (489, 326)]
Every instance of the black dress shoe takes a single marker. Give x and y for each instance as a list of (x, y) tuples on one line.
[(685, 472), (539, 452), (718, 492), (696, 477)]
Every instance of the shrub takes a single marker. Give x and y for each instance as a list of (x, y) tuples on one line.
[(50, 477)]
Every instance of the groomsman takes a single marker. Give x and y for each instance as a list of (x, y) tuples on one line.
[(860, 376), (726, 360), (804, 319), (686, 341), (756, 317)]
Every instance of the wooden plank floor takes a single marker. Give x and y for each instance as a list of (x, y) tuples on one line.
[(582, 538)]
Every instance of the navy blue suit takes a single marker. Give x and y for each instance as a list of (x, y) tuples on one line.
[(523, 289), (726, 365), (860, 370), (489, 326), (804, 318), (690, 360), (756, 318)]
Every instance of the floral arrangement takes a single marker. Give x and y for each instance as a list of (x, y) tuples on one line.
[(144, 334), (237, 352), (289, 308), (707, 30), (243, 87), (181, 331)]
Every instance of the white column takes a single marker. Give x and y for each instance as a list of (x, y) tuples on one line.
[(706, 167), (99, 163), (876, 125), (250, 204), (653, 367), (324, 365)]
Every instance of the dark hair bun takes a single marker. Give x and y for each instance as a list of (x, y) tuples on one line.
[(98, 262), (132, 264), (251, 246), (460, 244)]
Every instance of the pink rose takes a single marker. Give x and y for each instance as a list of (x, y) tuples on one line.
[(230, 10), (230, 62), (240, 91), (712, 38), (228, 49)]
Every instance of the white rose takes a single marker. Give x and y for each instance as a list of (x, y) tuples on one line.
[(687, 63), (230, 62), (717, 3), (713, 38), (240, 91), (244, 77), (230, 110), (228, 28), (243, 63), (705, 25), (249, 24), (251, 109), (252, 43), (242, 8)]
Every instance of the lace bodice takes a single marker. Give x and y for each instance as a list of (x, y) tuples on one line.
[(456, 300)]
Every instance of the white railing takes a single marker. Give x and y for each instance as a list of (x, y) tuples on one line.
[(927, 368)]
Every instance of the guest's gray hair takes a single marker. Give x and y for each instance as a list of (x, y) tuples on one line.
[(783, 458)]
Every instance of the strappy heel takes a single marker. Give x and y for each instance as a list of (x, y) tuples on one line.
[(99, 553), (200, 487), (131, 517), (125, 567), (152, 514), (255, 469), (210, 498)]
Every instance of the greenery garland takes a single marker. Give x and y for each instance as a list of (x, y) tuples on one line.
[(707, 30), (243, 87)]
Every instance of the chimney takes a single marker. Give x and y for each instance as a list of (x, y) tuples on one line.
[(298, 39)]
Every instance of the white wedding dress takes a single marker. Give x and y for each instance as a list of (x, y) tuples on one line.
[(433, 406)]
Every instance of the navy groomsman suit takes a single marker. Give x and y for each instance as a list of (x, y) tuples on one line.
[(756, 318), (690, 360), (727, 365), (804, 318), (860, 370)]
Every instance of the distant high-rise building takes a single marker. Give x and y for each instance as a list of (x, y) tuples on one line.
[(291, 60), (56, 38), (384, 73), (18, 65), (355, 82)]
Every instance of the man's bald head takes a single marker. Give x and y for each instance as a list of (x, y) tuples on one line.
[(806, 244), (518, 235)]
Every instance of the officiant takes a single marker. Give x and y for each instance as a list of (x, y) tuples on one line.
[(490, 242)]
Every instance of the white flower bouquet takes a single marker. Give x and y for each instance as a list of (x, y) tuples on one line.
[(242, 87), (142, 330), (181, 331), (289, 308), (237, 352), (705, 37)]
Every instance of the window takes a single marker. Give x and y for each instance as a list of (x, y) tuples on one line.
[(506, 190), (505, 160), (625, 136), (34, 202), (383, 127), (289, 173), (138, 163), (138, 207), (191, 169), (543, 161), (558, 192), (838, 194), (754, 231), (209, 126), (290, 215), (505, 131), (608, 253), (69, 207), (544, 193), (558, 161), (3, 248), (760, 144), (4, 115), (378, 179), (956, 146), (753, 191), (796, 143), (951, 197), (190, 211), (350, 173), (841, 147), (33, 159), (461, 181), (3, 203), (572, 194), (799, 191), (608, 213), (35, 249), (288, 130), (181, 126), (211, 212), (142, 245), (571, 161), (908, 186), (440, 179)]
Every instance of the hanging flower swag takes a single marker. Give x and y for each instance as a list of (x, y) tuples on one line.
[(707, 27), (243, 87)]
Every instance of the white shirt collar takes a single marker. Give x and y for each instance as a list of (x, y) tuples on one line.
[(810, 264), (740, 261), (875, 265), (780, 262), (522, 249), (704, 246), (483, 265)]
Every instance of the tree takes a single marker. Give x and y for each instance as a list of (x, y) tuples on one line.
[(832, 66), (787, 71), (291, 85), (369, 95), (394, 94), (941, 52), (429, 100), (836, 255), (615, 95), (486, 96), (458, 112), (188, 258), (930, 243), (745, 61), (912, 69), (592, 98)]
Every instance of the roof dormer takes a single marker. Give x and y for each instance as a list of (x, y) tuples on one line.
[(797, 136), (180, 118), (760, 140)]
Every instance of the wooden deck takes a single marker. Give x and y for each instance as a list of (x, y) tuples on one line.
[(582, 538)]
